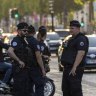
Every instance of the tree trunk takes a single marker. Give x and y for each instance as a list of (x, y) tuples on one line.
[(65, 14), (91, 12)]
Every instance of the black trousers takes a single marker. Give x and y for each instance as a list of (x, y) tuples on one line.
[(71, 85), (39, 81), (21, 82)]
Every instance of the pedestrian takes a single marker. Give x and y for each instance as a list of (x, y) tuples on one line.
[(73, 60), (5, 67), (44, 48), (19, 53), (37, 72)]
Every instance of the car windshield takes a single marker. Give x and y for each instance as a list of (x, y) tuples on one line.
[(92, 41), (53, 36), (63, 33)]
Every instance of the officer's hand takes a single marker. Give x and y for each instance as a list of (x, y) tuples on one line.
[(43, 72), (73, 71), (22, 64)]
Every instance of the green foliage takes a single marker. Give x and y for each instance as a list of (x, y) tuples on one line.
[(24, 6), (58, 6), (43, 6), (40, 6), (69, 5)]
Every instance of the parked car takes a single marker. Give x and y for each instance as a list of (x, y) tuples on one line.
[(54, 41), (90, 57), (62, 32)]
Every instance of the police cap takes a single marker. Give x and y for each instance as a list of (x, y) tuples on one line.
[(22, 25), (75, 23), (42, 29)]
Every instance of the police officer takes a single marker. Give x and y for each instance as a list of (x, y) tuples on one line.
[(37, 72), (19, 53), (73, 59), (44, 49)]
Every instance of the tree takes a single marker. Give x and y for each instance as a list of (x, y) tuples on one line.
[(91, 11), (42, 7), (65, 7), (24, 6), (61, 6)]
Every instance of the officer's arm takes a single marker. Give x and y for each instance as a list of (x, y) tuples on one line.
[(81, 46), (12, 54), (40, 62), (79, 57)]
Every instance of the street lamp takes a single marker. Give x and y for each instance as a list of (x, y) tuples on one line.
[(52, 16), (51, 12)]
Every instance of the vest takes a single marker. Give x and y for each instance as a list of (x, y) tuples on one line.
[(24, 52)]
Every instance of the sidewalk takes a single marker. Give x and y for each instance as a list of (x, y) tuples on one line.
[(89, 84)]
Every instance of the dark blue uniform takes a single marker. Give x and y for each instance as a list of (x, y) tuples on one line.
[(44, 48), (20, 76), (45, 51), (71, 85), (35, 70)]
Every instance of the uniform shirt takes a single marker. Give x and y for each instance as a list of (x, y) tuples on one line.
[(34, 45), (5, 46), (17, 44), (73, 45), (19, 47), (44, 48)]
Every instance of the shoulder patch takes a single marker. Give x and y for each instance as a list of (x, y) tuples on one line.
[(81, 43), (42, 48), (14, 44), (38, 47)]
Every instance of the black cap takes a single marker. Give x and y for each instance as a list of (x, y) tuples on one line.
[(75, 23), (31, 29), (42, 29), (22, 25)]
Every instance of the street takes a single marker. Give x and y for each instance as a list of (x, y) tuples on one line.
[(65, 28), (89, 80)]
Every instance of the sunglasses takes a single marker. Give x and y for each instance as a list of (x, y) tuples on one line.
[(24, 30)]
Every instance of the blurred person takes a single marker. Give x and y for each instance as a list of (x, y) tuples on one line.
[(45, 52), (4, 66), (73, 60)]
